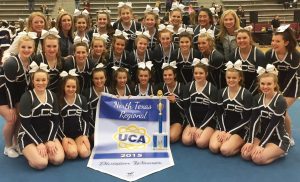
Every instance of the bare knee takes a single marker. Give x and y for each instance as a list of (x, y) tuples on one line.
[(57, 159), (187, 141), (71, 153), (214, 148), (174, 137), (226, 151), (38, 164), (260, 160), (202, 143)]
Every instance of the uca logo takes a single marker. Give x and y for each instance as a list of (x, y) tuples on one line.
[(132, 137)]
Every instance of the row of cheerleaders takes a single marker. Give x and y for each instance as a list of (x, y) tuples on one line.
[(230, 99)]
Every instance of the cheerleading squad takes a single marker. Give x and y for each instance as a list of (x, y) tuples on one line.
[(225, 94)]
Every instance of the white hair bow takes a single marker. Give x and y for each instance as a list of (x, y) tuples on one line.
[(104, 10), (121, 4), (202, 61), (208, 31), (168, 27), (150, 9), (32, 35), (188, 30), (282, 28), (145, 33), (177, 6), (103, 36), (100, 65), (78, 39), (270, 68), (117, 67), (172, 64), (71, 72), (34, 67), (77, 12), (144, 65), (119, 33), (52, 31), (237, 65)]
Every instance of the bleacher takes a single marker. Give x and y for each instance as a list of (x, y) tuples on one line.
[(12, 10)]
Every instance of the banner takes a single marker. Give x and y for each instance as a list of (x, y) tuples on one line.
[(124, 132)]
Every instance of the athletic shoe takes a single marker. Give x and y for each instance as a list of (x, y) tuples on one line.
[(292, 142), (10, 152), (17, 149)]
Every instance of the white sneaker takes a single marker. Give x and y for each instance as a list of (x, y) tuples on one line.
[(17, 149), (10, 152), (292, 142)]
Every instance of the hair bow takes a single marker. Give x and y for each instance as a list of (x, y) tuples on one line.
[(144, 65), (100, 65), (77, 12), (188, 30), (145, 33), (202, 61), (168, 27), (121, 4), (237, 65), (121, 33), (117, 67), (282, 28), (208, 31), (71, 72), (32, 35), (52, 31), (177, 5), (172, 64), (78, 39), (150, 9), (103, 36), (104, 10), (34, 67), (270, 68)]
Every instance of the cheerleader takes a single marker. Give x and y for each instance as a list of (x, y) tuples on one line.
[(74, 127), (118, 56), (16, 73), (285, 57), (126, 24), (200, 101), (93, 93), (143, 86), (173, 90), (81, 63), (225, 39), (162, 52), (216, 60), (64, 25), (81, 24), (37, 22), (39, 117), (140, 54), (121, 83), (50, 56), (250, 56), (205, 23), (185, 55), (268, 139), (103, 27), (98, 51), (150, 23), (234, 110), (175, 20)]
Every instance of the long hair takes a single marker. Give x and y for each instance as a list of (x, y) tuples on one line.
[(289, 35), (30, 19), (63, 83), (58, 55), (59, 26), (223, 30)]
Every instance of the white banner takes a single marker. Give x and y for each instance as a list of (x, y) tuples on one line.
[(124, 132)]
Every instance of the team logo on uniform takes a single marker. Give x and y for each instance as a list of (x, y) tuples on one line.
[(132, 137)]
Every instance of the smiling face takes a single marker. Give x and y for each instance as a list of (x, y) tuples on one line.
[(81, 24), (119, 46), (141, 44), (203, 45), (125, 14), (102, 20), (81, 54), (199, 74), (229, 21), (66, 23), (143, 76), (98, 47), (176, 18), (51, 47), (165, 39), (149, 21), (38, 24), (40, 81), (267, 85), (70, 88), (169, 76), (26, 48), (243, 40), (99, 79), (233, 78), (121, 79), (203, 19), (185, 44), (278, 43)]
